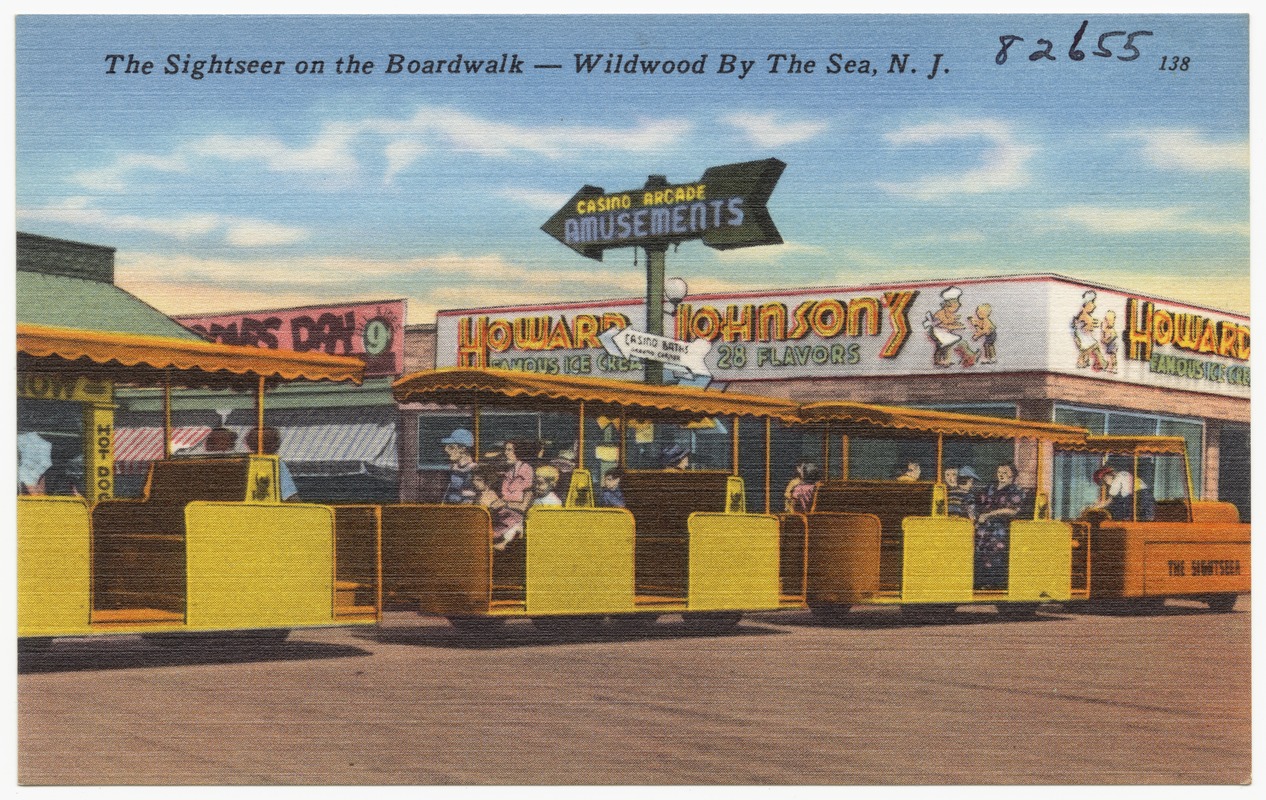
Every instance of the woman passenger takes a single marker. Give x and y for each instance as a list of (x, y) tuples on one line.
[(998, 505), (507, 523), (517, 482), (800, 496)]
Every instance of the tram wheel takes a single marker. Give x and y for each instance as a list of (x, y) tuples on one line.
[(1221, 603), (1017, 611), (928, 613), (711, 621), (831, 614), (568, 627)]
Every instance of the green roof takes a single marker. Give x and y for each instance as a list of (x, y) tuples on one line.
[(64, 302)]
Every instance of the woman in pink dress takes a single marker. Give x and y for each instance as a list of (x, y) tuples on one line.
[(516, 493)]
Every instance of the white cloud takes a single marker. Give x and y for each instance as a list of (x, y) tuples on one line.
[(767, 254), (329, 153), (768, 130), (258, 233), (1004, 163), (76, 211), (1192, 151), (535, 198), (112, 178), (192, 284), (337, 150), (1171, 219), (236, 231)]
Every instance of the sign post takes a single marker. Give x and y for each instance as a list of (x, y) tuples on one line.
[(725, 209)]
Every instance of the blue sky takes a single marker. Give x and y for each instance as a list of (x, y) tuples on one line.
[(238, 192)]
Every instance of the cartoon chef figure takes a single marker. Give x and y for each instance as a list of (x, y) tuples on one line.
[(943, 326), (1084, 327)]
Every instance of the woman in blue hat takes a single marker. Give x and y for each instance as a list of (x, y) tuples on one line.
[(458, 446)]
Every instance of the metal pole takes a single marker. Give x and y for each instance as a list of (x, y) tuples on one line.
[(166, 414), (655, 256), (259, 414)]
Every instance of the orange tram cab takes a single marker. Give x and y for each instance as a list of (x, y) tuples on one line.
[(1139, 534), (210, 548)]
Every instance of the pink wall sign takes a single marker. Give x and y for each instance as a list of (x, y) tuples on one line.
[(373, 332)]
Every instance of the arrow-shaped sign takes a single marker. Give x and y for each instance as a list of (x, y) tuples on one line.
[(672, 353), (725, 208)]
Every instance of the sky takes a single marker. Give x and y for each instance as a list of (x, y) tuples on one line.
[(238, 192)]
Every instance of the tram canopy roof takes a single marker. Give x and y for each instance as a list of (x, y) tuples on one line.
[(945, 423), (464, 384), (146, 360), (1143, 445)]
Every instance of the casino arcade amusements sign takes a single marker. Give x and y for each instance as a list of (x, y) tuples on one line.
[(725, 209)]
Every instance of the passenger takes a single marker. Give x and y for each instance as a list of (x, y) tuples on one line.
[(35, 456), (546, 483), (1121, 485), (517, 484), (997, 506), (962, 495), (610, 495), (796, 480), (220, 440), (803, 493), (912, 473), (507, 523), (565, 462), (272, 443), (461, 467), (674, 457)]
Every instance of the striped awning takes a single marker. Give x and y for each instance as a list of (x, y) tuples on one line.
[(324, 450), (339, 449), (135, 448)]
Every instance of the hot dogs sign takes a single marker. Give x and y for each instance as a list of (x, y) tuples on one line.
[(1015, 324)]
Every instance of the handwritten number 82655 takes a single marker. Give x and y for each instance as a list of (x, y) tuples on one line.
[(1075, 53)]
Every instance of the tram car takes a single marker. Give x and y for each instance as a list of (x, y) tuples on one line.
[(681, 539), (210, 549)]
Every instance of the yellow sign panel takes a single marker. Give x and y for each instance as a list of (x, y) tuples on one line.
[(63, 386), (99, 453)]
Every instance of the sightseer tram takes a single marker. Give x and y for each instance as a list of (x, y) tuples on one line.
[(571, 501), (210, 548)]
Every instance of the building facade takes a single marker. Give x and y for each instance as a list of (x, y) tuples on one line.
[(1037, 347)]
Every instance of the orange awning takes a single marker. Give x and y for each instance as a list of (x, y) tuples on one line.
[(137, 359), (1143, 445), (944, 423), (463, 384)]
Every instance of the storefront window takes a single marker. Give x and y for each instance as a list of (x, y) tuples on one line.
[(888, 458), (432, 430), (650, 444), (54, 462), (789, 447), (1115, 423), (983, 456), (546, 435)]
